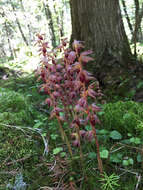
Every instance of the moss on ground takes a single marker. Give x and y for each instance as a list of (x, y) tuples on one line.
[(21, 149), (125, 117)]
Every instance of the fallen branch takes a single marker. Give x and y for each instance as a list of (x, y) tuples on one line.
[(13, 172), (18, 160), (36, 130), (128, 171), (46, 188), (123, 146), (138, 182), (134, 173), (132, 147)]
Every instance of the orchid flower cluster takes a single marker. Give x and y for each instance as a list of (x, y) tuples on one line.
[(69, 90)]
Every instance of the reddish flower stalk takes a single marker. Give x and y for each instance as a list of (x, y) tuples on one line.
[(100, 165), (80, 147), (69, 87)]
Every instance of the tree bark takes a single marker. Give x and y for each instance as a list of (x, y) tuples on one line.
[(57, 21), (136, 25), (137, 34), (60, 20), (8, 39), (50, 23), (99, 24), (127, 16), (19, 25), (6, 27), (28, 22)]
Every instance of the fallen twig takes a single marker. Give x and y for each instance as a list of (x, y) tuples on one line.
[(117, 149), (138, 182), (134, 173), (5, 160), (132, 147), (13, 172), (18, 160), (36, 130), (46, 188), (129, 171), (52, 166)]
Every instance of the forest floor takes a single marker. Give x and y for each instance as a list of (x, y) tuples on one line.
[(33, 156)]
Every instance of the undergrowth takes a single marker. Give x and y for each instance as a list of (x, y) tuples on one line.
[(126, 117), (21, 149)]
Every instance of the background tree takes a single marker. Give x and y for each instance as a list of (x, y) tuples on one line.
[(24, 21), (100, 25), (133, 13), (50, 22), (127, 16), (18, 24)]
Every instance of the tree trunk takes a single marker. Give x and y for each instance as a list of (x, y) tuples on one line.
[(50, 23), (8, 39), (137, 35), (28, 21), (19, 25), (57, 21), (21, 31), (99, 24), (127, 16), (6, 27), (60, 20)]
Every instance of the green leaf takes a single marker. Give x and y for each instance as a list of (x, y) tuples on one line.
[(37, 125), (135, 140), (139, 158), (104, 153), (54, 136), (57, 150), (44, 134), (115, 135), (131, 161), (62, 154), (88, 128), (127, 116), (140, 84), (117, 158), (101, 113), (61, 114), (126, 141), (29, 95), (103, 132), (125, 163), (92, 155), (129, 134)]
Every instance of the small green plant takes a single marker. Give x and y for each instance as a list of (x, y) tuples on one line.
[(109, 182), (140, 85), (104, 153), (128, 162), (57, 150)]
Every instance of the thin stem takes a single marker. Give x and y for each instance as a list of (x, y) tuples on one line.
[(100, 165), (81, 153), (64, 137)]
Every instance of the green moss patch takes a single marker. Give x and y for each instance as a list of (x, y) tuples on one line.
[(125, 117)]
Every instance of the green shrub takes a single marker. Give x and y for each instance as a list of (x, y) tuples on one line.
[(125, 117)]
